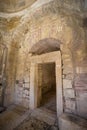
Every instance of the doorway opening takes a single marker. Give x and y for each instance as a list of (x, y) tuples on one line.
[(36, 79), (47, 80), (3, 61)]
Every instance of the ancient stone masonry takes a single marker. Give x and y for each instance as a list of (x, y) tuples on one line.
[(22, 93), (62, 22), (22, 82)]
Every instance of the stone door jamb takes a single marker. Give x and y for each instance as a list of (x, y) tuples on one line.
[(34, 90)]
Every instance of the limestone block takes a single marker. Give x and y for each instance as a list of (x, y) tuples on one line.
[(19, 100), (70, 104), (69, 76), (17, 92), (67, 70), (20, 89), (69, 93), (67, 62), (26, 103), (81, 70), (27, 85), (20, 85), (26, 79), (27, 97), (19, 95), (24, 95), (65, 56), (81, 81), (16, 89), (26, 92), (67, 83)]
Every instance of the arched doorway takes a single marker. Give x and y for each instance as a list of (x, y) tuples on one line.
[(45, 53)]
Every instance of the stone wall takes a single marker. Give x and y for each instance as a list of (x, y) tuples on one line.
[(22, 86), (48, 21), (48, 77), (1, 58)]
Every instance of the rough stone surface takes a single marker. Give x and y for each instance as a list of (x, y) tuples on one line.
[(67, 83), (39, 119), (19, 32), (14, 5), (69, 93), (69, 122), (33, 124), (70, 106), (12, 117)]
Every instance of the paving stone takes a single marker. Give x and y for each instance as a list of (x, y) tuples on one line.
[(12, 117), (20, 118), (33, 124), (44, 116)]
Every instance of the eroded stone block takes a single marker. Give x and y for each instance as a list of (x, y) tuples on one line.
[(67, 83), (70, 104), (69, 93)]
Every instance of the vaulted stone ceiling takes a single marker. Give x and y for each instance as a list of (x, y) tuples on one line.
[(14, 5), (10, 6)]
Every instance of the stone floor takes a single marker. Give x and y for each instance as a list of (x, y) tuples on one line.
[(19, 118), (39, 120), (12, 117), (49, 101)]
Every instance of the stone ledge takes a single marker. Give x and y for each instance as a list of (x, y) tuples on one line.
[(71, 122)]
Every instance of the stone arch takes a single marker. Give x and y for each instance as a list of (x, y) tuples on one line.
[(45, 46)]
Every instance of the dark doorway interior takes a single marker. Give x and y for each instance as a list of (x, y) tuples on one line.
[(48, 86)]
